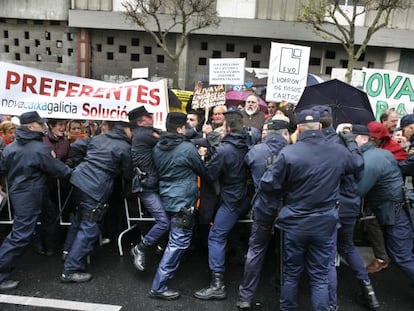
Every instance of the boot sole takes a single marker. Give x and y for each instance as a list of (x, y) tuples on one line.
[(221, 297)]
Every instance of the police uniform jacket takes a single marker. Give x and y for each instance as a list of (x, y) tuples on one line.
[(227, 166), (349, 199), (381, 183), (178, 164), (308, 175), (107, 156), (28, 162), (143, 141), (259, 157)]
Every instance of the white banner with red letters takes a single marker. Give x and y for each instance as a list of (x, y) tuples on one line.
[(55, 95)]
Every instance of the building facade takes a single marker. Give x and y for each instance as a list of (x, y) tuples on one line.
[(93, 38)]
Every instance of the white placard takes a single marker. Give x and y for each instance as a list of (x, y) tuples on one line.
[(140, 73), (228, 71)]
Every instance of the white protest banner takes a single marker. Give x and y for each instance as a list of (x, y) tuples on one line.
[(288, 72), (55, 95), (228, 71), (389, 89), (209, 97)]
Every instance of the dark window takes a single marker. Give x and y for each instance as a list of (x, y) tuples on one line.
[(328, 70), (37, 42), (243, 54), (110, 40), (256, 63), (216, 54), (47, 35), (38, 57), (16, 42), (6, 49), (17, 56), (229, 47), (135, 57), (204, 46), (344, 63), (60, 59), (330, 54), (6, 34), (26, 35), (362, 57), (54, 23), (257, 49), (69, 36), (70, 52), (38, 22), (122, 49), (59, 44), (134, 41), (160, 58), (109, 55), (202, 61), (27, 50), (22, 22), (314, 61), (2, 20), (147, 50), (371, 65), (99, 47), (48, 51)]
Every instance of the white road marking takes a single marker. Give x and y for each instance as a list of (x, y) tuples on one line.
[(57, 303)]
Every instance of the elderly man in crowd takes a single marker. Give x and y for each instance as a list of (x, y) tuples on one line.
[(252, 116)]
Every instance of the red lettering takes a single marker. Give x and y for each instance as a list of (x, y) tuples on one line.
[(59, 86), (129, 91), (99, 92), (116, 92), (142, 94), (12, 78), (45, 83), (154, 97), (72, 89), (29, 81), (86, 90)]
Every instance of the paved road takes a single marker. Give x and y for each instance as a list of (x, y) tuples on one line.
[(116, 283)]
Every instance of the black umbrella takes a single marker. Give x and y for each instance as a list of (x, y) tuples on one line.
[(348, 104)]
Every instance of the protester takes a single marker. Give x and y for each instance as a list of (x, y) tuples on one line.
[(390, 120), (75, 130), (26, 162), (252, 116), (7, 133)]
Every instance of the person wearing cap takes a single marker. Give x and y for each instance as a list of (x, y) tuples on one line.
[(307, 176), (178, 164), (106, 157), (275, 136), (26, 163), (145, 181), (226, 166), (381, 186), (349, 212)]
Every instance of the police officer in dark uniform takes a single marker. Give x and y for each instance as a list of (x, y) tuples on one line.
[(26, 162), (145, 180), (307, 175), (275, 135), (228, 167), (107, 156)]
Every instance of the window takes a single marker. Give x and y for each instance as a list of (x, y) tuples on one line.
[(69, 36), (147, 50), (135, 57), (204, 46), (110, 40), (47, 35), (256, 63), (229, 47), (70, 52), (54, 23), (202, 61), (328, 70), (60, 59), (6, 49), (17, 56), (362, 57), (371, 65), (48, 51), (27, 50), (344, 63), (110, 55), (59, 44), (99, 47), (38, 57), (37, 42), (38, 22), (16, 42), (257, 49), (26, 35), (243, 54), (6, 34), (160, 58), (330, 54), (122, 49), (134, 41), (216, 54), (314, 61)]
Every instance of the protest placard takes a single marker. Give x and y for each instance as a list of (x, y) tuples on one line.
[(209, 97), (228, 71)]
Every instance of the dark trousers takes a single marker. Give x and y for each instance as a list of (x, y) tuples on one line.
[(15, 243), (258, 243), (376, 238)]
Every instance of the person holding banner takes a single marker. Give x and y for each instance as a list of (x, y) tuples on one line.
[(26, 162)]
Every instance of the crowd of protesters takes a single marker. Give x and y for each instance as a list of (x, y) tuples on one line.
[(303, 181)]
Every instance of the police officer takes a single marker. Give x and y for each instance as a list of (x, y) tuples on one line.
[(307, 174), (26, 162), (145, 180), (228, 167), (107, 156), (349, 211), (178, 164), (275, 135)]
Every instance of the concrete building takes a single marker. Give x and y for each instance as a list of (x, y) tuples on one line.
[(92, 38)]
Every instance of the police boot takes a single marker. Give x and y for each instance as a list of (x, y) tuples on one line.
[(217, 289), (138, 254), (368, 295)]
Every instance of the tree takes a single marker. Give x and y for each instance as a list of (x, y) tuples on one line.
[(326, 16), (181, 16)]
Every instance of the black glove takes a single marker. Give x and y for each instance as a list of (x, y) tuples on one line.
[(347, 137)]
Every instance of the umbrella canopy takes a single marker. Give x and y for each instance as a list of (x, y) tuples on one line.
[(348, 104), (234, 98)]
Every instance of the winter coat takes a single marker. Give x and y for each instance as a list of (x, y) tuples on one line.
[(28, 162)]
